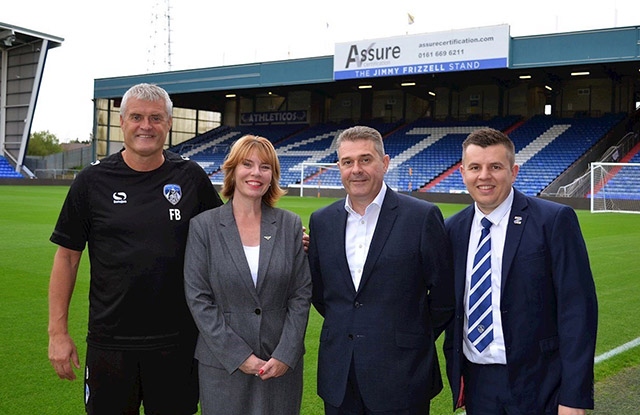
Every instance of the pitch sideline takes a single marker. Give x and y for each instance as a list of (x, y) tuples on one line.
[(617, 350)]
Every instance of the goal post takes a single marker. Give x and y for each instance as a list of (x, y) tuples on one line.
[(319, 176), (615, 187)]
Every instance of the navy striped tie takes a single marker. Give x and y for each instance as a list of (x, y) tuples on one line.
[(480, 330)]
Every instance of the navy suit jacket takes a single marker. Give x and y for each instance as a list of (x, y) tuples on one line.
[(548, 306), (388, 327)]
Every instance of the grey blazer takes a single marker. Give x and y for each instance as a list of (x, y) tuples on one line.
[(236, 318)]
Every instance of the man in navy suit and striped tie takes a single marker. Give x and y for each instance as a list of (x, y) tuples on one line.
[(524, 333)]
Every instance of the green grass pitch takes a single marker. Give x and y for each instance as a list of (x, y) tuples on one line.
[(28, 384)]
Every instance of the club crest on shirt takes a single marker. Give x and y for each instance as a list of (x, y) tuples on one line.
[(173, 193)]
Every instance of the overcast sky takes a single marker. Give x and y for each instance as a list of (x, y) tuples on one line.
[(115, 37)]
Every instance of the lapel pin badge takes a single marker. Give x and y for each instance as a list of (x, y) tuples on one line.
[(517, 220), (267, 237)]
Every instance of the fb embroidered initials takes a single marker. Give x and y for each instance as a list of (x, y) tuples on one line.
[(174, 214)]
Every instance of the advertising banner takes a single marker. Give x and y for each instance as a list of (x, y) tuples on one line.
[(274, 117), (455, 50)]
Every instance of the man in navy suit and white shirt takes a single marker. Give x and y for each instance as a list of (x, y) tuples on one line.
[(381, 270), (534, 351)]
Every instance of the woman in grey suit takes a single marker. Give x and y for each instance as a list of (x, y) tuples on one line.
[(248, 287)]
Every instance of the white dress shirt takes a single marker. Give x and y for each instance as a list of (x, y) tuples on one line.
[(495, 352), (358, 234), (253, 258)]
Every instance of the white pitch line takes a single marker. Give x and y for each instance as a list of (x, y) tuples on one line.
[(617, 350), (607, 355)]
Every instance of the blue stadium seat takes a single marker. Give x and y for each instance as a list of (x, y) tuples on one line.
[(7, 171)]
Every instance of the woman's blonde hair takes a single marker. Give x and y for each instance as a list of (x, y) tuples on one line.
[(240, 151)]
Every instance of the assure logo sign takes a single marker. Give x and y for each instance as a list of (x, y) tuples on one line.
[(456, 50)]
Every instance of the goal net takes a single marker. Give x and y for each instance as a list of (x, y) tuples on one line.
[(615, 187)]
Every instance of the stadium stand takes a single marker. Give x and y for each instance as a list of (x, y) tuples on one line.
[(424, 154), (210, 149), (425, 149), (545, 148), (7, 171), (294, 144)]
